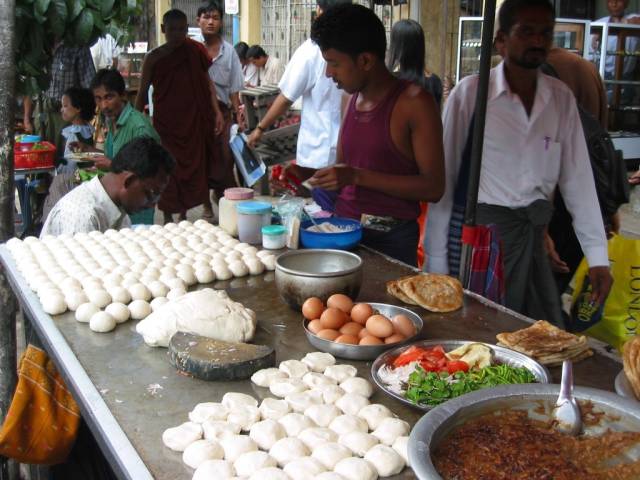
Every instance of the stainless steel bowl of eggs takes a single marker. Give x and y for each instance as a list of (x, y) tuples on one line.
[(357, 331)]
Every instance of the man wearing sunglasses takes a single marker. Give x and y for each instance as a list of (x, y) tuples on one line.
[(138, 176)]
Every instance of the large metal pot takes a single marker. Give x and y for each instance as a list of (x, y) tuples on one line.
[(301, 274), (433, 427)]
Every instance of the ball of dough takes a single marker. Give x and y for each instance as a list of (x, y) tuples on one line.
[(208, 411), (255, 266), (157, 302), (75, 298), (330, 453), (269, 262), (236, 445), (266, 376), (245, 416), (352, 403), (176, 283), (314, 436), (120, 295), (85, 312), (222, 271), (205, 275), (385, 460), (401, 446), (139, 292), (189, 278), (139, 309), (314, 380), (238, 268), (266, 433), (233, 400), (100, 298), (358, 442), (329, 476), (158, 289), (53, 304), (176, 293), (356, 469), (390, 429), (102, 322), (200, 451), (118, 311), (273, 409), (322, 414), (218, 469), (330, 393), (282, 388), (357, 385), (304, 468), (340, 373), (295, 423), (249, 462), (374, 414), (294, 368), (219, 429), (112, 280), (269, 473), (70, 283), (233, 256), (288, 449), (318, 361), (300, 401), (180, 437), (348, 423)]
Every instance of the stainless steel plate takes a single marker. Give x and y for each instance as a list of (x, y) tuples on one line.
[(365, 352), (623, 387), (501, 355)]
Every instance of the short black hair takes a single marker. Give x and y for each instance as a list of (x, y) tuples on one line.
[(326, 4), (212, 6), (351, 29), (510, 9), (110, 79), (174, 14), (82, 99), (256, 51), (143, 156), (241, 49)]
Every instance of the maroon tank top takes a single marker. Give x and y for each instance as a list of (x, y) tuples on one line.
[(367, 143)]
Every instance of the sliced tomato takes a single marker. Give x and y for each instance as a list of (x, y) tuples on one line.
[(457, 366), (411, 354)]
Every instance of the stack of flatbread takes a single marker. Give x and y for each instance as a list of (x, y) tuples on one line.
[(631, 362), (431, 291), (546, 343)]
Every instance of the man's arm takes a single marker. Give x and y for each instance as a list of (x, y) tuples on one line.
[(216, 107), (27, 110), (142, 98), (278, 108)]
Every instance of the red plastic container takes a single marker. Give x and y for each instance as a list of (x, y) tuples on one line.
[(26, 158)]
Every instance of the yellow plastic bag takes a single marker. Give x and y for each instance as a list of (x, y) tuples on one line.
[(618, 320)]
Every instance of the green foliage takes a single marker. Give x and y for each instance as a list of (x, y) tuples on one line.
[(41, 24)]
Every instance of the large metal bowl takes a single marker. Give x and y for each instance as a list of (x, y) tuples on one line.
[(301, 274), (365, 352), (502, 355), (432, 428)]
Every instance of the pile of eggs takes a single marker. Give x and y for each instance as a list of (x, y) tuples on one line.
[(107, 278), (343, 322)]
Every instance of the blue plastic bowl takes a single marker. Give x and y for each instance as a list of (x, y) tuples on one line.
[(28, 138), (339, 241)]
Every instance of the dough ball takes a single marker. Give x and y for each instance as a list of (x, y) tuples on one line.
[(151, 272), (208, 411), (176, 293), (318, 361), (100, 298), (219, 429), (53, 304), (348, 423), (102, 322), (329, 476), (401, 446), (340, 373), (356, 469), (158, 289), (120, 295), (273, 409), (269, 262), (139, 309), (330, 393), (189, 278), (218, 469), (358, 442), (314, 436), (222, 271), (269, 473), (255, 266), (314, 380), (118, 311), (236, 445), (205, 275), (180, 437), (249, 462), (385, 459), (266, 376), (233, 400), (233, 256), (357, 385), (288, 449), (245, 416), (322, 414), (300, 401), (85, 312), (112, 280), (266, 433), (70, 283), (352, 403), (75, 298), (238, 268), (304, 468), (176, 283), (127, 282), (295, 423), (282, 388), (200, 451), (330, 453), (374, 414), (294, 368), (139, 292), (390, 429)]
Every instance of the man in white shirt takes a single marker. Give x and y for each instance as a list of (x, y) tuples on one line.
[(139, 174), (321, 102), (249, 70), (533, 142), (269, 67), (105, 52)]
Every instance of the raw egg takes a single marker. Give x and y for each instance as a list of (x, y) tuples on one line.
[(333, 318), (363, 333), (314, 326), (351, 328), (340, 301), (370, 340), (360, 312), (403, 325), (379, 326), (347, 339), (312, 308), (396, 337), (328, 334)]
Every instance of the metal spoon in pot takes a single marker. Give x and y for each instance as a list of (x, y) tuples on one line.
[(566, 413)]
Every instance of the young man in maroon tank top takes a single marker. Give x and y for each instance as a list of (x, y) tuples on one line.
[(390, 154)]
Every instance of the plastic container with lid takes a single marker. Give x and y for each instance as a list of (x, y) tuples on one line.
[(274, 237), (227, 206), (252, 216)]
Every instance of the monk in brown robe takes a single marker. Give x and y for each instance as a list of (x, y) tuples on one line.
[(185, 114)]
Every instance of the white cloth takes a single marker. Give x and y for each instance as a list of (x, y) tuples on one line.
[(251, 75), (631, 46), (321, 99), (86, 208), (272, 71), (524, 158), (70, 134), (104, 51)]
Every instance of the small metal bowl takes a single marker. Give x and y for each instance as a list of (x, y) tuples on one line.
[(301, 274), (365, 352)]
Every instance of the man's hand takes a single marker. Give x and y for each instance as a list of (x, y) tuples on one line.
[(334, 178), (601, 281), (255, 137), (635, 178), (28, 126), (557, 264), (103, 163)]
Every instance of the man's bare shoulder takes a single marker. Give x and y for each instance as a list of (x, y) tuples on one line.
[(416, 96)]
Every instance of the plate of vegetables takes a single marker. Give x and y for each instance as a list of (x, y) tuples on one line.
[(427, 373)]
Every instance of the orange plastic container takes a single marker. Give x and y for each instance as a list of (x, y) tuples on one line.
[(25, 158)]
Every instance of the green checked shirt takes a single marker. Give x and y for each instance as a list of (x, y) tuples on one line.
[(130, 124)]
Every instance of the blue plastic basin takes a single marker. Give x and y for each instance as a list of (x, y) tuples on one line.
[(340, 241)]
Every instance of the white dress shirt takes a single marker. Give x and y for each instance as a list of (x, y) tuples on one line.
[(524, 158), (251, 75), (272, 71), (321, 100), (86, 208)]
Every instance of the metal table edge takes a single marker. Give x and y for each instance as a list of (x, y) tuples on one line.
[(116, 446)]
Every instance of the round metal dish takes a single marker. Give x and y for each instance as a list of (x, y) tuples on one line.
[(501, 355), (623, 387), (432, 428), (364, 352)]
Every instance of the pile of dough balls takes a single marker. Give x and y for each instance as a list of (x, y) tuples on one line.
[(107, 278), (318, 424)]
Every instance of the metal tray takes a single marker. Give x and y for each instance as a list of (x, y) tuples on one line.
[(501, 355), (365, 352), (623, 387)]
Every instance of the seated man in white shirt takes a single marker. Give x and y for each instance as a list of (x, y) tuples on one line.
[(533, 142), (269, 67), (139, 174)]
